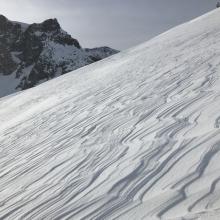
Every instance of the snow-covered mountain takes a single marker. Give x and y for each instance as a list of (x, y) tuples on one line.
[(31, 54), (136, 136)]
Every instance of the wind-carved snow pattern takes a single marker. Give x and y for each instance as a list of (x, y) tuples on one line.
[(135, 136)]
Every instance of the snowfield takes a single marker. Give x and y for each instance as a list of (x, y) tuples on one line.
[(134, 136)]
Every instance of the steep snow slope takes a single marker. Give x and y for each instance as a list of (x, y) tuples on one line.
[(136, 136)]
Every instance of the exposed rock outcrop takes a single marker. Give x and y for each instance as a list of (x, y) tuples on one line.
[(38, 52)]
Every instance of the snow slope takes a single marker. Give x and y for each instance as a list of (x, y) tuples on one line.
[(134, 136)]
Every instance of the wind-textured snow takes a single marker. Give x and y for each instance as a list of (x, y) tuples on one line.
[(135, 136)]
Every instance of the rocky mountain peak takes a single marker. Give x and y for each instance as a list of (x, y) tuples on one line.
[(51, 25), (37, 52), (7, 26), (3, 19)]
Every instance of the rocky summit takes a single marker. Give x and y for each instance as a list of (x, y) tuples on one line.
[(34, 53)]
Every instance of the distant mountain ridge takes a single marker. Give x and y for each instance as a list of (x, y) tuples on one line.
[(33, 53)]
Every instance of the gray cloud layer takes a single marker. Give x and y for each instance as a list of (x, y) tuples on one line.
[(117, 23)]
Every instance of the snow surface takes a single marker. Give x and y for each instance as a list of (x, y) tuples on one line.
[(134, 136)]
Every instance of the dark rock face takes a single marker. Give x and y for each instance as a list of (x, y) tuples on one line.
[(7, 65), (39, 52)]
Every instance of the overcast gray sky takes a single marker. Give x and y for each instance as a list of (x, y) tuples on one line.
[(116, 23)]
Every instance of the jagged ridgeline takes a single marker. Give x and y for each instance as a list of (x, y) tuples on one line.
[(34, 53)]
